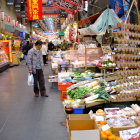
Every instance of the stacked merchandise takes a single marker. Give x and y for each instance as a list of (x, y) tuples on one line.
[(127, 56), (120, 121), (122, 85), (66, 79), (108, 124), (3, 58)]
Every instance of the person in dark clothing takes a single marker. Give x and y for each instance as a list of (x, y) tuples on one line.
[(26, 48), (50, 46)]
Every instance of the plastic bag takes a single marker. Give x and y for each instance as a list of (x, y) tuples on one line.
[(30, 80)]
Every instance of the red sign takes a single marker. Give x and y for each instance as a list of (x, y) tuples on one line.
[(34, 9)]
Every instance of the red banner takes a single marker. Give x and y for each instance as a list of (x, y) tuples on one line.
[(34, 9)]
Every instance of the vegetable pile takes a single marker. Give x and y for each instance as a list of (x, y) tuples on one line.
[(87, 75), (79, 93), (94, 91)]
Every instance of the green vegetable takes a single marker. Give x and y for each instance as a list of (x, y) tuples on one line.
[(102, 94), (79, 93)]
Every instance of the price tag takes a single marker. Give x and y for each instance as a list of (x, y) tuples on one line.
[(100, 118), (115, 49), (126, 67), (113, 53), (91, 114), (117, 68), (105, 127), (113, 97)]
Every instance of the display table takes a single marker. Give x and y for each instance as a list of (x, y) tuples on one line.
[(15, 58)]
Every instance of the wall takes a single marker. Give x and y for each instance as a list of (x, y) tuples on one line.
[(10, 11)]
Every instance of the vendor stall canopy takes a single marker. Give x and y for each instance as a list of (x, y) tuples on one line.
[(107, 20)]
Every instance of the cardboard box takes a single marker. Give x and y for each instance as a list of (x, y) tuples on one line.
[(85, 135), (81, 126)]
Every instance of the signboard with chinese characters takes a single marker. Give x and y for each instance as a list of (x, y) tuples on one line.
[(62, 4), (34, 9), (73, 2), (49, 3), (10, 2), (117, 5)]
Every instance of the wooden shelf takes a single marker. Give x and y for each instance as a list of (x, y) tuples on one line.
[(92, 48), (107, 67), (91, 66), (92, 55)]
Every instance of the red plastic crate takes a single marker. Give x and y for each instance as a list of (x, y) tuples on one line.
[(63, 95), (64, 86)]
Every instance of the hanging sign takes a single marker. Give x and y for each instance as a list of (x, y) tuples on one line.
[(10, 2), (13, 22), (62, 4), (73, 2), (34, 9), (49, 3), (8, 18), (16, 23), (117, 5), (2, 16), (126, 4)]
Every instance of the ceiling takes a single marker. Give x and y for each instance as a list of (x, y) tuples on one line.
[(51, 15)]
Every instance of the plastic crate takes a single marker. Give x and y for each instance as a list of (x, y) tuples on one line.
[(78, 111), (63, 95), (64, 86)]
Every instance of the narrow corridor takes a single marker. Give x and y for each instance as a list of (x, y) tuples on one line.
[(24, 117)]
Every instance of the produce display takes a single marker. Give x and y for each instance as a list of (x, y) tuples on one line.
[(117, 121), (3, 57), (126, 87), (123, 85), (131, 134), (127, 56), (108, 135), (115, 124), (108, 64), (79, 93), (94, 91), (76, 77), (87, 75), (133, 111), (113, 111), (129, 34)]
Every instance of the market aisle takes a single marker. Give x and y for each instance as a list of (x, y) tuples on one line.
[(24, 117)]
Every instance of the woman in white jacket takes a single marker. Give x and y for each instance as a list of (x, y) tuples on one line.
[(44, 52)]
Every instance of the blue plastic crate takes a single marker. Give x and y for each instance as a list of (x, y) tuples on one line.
[(78, 111)]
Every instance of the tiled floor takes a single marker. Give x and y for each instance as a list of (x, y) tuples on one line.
[(24, 117)]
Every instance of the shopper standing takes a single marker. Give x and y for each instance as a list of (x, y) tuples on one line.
[(50, 46), (35, 67), (44, 50), (25, 49)]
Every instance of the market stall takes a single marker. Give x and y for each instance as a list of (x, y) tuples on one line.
[(111, 92)]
